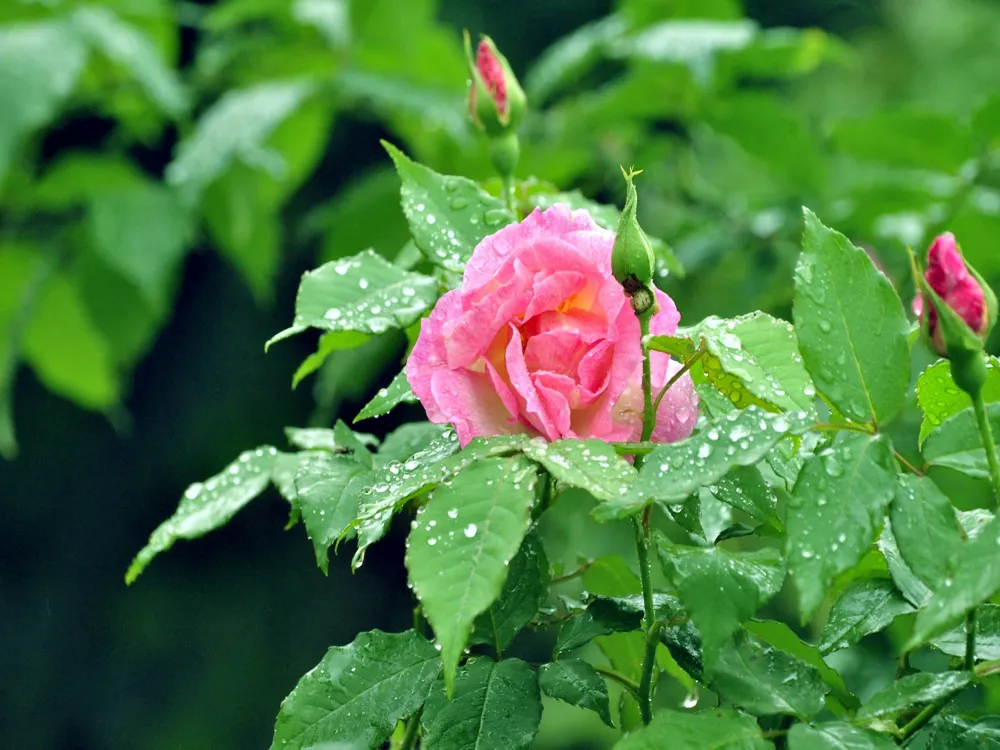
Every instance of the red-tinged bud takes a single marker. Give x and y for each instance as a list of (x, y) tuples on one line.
[(959, 287), (957, 311), (496, 100)]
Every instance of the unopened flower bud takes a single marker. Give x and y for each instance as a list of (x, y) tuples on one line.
[(496, 101), (632, 257), (957, 310)]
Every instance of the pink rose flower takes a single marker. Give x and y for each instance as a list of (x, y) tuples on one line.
[(950, 279), (541, 340)]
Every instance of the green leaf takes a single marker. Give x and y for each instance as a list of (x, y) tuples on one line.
[(987, 635), (744, 489), (913, 690), (330, 342), (354, 443), (131, 50), (142, 231), (575, 682), (907, 138), (606, 615), (752, 359), (975, 581), (462, 543), (408, 439), (357, 693), (365, 293), (721, 729), (955, 733), (523, 593), (863, 369), (836, 511), (781, 636), (448, 216), (719, 588), (837, 736), (611, 576), (591, 465), (65, 348), (396, 482), (322, 438), (388, 398), (674, 470), (495, 704), (940, 398), (868, 606), (956, 443), (328, 488), (236, 129), (915, 591), (764, 680), (40, 64), (926, 530), (208, 505)]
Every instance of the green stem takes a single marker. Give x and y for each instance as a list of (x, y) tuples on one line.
[(634, 449), (929, 712), (642, 544), (648, 415), (412, 732), (970, 640), (631, 685), (986, 434), (508, 194), (921, 719), (677, 376)]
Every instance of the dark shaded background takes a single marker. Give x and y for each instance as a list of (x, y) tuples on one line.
[(202, 649)]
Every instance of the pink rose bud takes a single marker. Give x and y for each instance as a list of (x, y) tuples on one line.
[(496, 101), (540, 339), (958, 287)]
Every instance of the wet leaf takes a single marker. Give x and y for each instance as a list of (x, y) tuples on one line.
[(837, 736), (764, 680), (864, 370), (836, 511), (675, 470), (719, 588), (752, 359), (365, 293), (591, 465), (953, 641), (396, 393), (956, 443), (721, 729), (575, 682), (523, 593), (358, 692), (495, 704), (940, 398), (448, 216), (462, 543), (913, 690), (868, 606), (926, 530)]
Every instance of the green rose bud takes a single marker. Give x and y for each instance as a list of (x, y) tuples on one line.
[(632, 256)]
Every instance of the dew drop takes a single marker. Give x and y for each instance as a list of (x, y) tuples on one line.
[(470, 530)]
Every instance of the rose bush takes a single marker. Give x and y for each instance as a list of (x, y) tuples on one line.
[(540, 339)]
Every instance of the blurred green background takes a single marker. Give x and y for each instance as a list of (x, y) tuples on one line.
[(168, 170)]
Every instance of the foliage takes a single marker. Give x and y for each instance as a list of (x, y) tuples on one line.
[(784, 493)]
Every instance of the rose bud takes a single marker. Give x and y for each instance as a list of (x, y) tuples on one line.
[(958, 287), (496, 101), (957, 310), (632, 259)]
